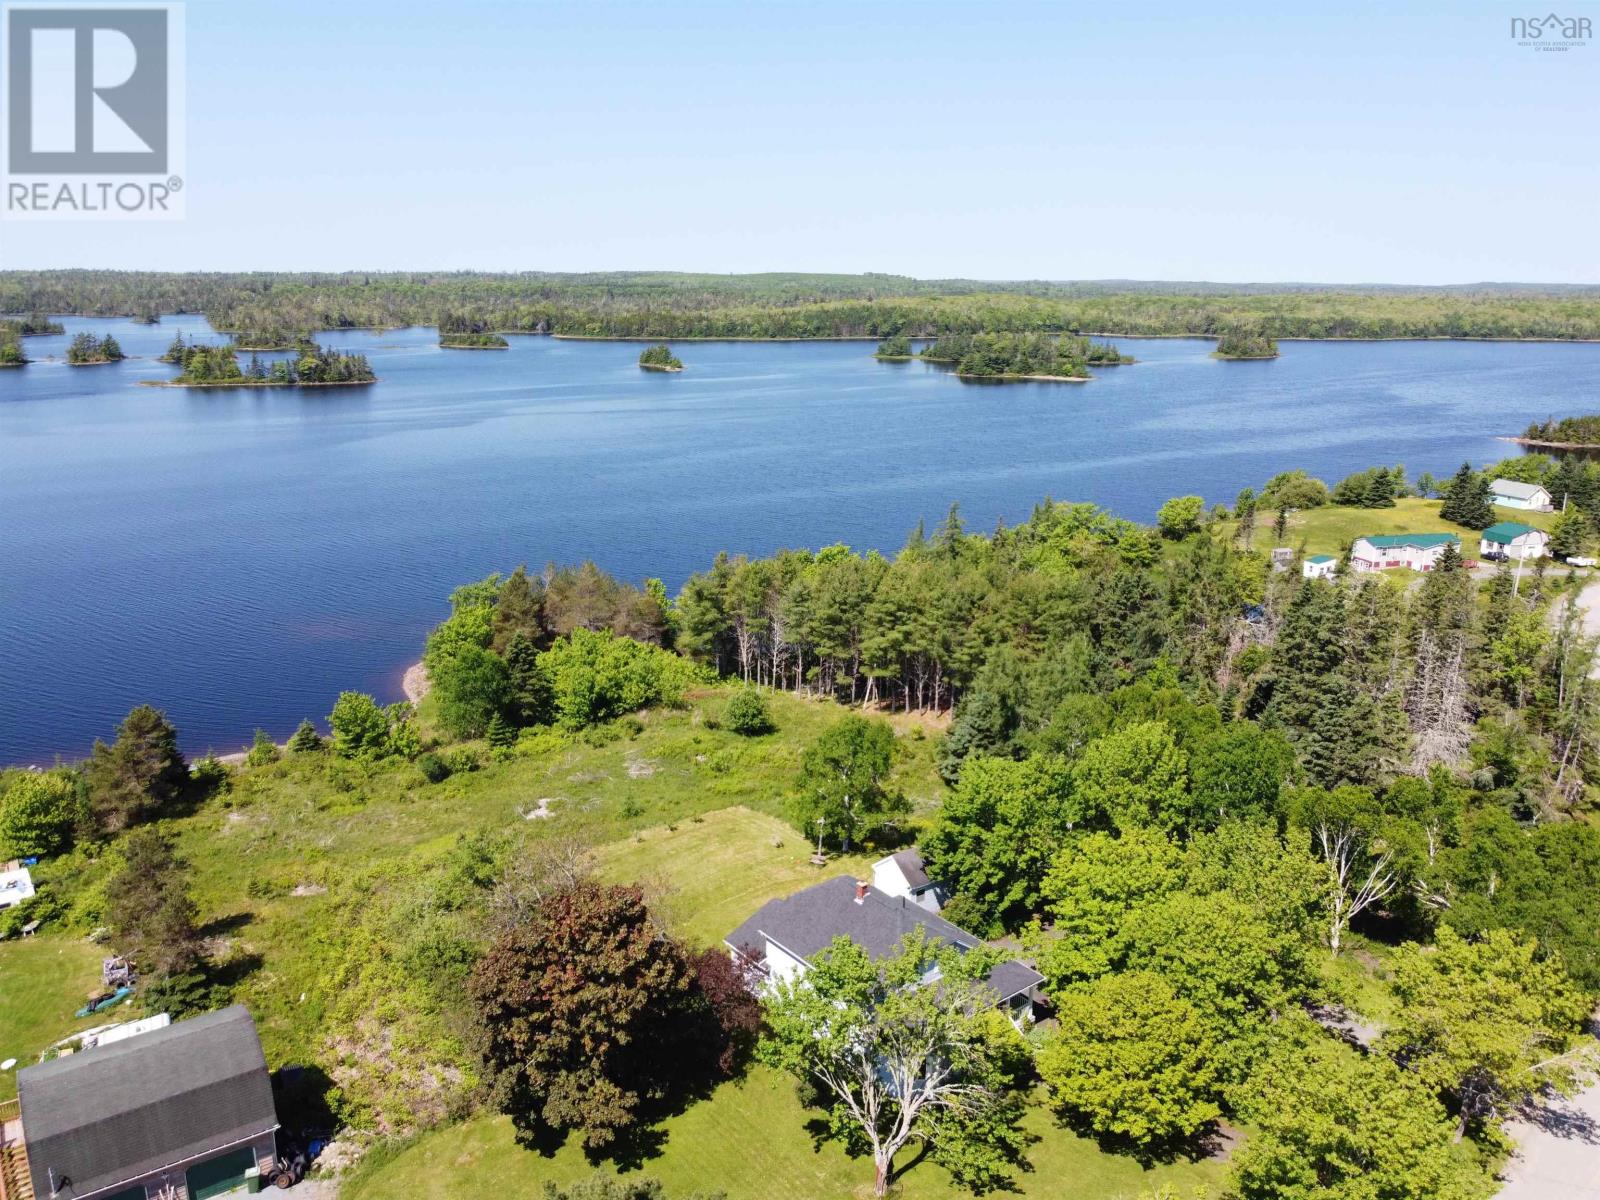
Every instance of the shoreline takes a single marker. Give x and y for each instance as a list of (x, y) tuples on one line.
[(415, 683), (1527, 441), (448, 346), (245, 383), (1027, 378), (659, 367)]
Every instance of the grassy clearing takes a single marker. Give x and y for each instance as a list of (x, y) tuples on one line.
[(750, 1140), (309, 825), (1360, 978), (43, 981), (718, 869), (1328, 530)]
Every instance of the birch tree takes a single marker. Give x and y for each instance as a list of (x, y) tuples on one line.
[(1345, 826), (905, 1050)]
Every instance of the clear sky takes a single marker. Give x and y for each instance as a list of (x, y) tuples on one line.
[(1328, 142)]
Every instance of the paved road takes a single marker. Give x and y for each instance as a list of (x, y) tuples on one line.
[(1558, 1151)]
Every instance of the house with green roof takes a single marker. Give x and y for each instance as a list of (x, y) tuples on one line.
[(1513, 539), (1319, 566), (1416, 551)]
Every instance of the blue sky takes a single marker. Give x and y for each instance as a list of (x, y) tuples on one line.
[(1332, 142)]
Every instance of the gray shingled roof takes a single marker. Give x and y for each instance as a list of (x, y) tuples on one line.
[(912, 867), (807, 922), (111, 1114), (1510, 487)]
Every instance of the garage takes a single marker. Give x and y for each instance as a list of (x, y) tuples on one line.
[(220, 1174)]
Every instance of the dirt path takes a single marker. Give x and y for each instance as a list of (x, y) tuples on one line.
[(1558, 1150)]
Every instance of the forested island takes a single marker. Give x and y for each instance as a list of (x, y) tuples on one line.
[(895, 348), (1308, 864), (11, 352), (468, 331), (86, 350), (218, 366), (660, 358), (670, 305), (1243, 345), (1569, 433), (1021, 356)]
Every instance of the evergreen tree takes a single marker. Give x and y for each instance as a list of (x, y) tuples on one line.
[(1466, 499), (531, 697), (305, 739), (1244, 512), (500, 733)]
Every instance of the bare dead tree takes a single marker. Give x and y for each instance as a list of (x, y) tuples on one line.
[(535, 869), (1360, 878)]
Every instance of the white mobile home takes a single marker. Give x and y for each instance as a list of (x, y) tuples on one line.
[(1418, 551)]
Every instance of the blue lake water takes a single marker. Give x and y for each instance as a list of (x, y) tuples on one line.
[(239, 557)]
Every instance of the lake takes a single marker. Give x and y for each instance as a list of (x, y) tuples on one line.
[(240, 557)]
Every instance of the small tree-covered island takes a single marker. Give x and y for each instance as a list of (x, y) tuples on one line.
[(218, 366), (11, 352), (1243, 345), (660, 358), (86, 350), (896, 348), (1022, 356), (460, 331), (35, 324)]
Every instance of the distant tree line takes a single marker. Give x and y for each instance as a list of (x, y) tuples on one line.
[(1572, 431), (671, 305)]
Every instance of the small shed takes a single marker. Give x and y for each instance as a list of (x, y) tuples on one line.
[(1513, 539), (1530, 497)]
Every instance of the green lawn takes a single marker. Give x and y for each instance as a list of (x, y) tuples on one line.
[(43, 981), (720, 868), (1328, 530), (749, 1140)]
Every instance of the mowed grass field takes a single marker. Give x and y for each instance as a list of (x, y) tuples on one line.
[(1328, 530), (43, 981), (750, 1140), (716, 870)]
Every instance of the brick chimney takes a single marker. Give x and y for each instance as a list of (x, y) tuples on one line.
[(861, 890)]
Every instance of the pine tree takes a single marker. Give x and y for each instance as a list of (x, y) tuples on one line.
[(305, 739), (1466, 499), (501, 734), (1244, 512)]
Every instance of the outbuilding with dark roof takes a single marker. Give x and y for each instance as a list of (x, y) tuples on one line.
[(185, 1111)]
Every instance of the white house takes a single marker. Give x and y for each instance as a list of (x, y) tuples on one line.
[(1513, 539), (904, 873), (1319, 566), (1530, 497), (784, 935), (1419, 551), (16, 885)]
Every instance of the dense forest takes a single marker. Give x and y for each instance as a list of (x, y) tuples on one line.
[(670, 305), (660, 358), (205, 365)]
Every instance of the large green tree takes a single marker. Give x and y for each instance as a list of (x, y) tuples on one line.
[(1136, 776), (139, 774), (844, 779), (39, 813), (1133, 1059)]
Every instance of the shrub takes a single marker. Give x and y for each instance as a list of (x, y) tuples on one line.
[(597, 676), (434, 769), (262, 750), (305, 739), (360, 727), (747, 714), (38, 813)]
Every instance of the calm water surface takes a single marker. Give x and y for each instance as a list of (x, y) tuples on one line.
[(239, 557)]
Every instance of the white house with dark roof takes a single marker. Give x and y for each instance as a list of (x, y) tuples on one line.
[(180, 1113), (904, 873), (784, 935), (1530, 497)]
